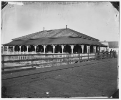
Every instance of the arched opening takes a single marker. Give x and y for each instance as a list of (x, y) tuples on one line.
[(91, 49), (85, 48), (67, 49), (58, 49), (77, 49), (39, 48), (23, 48), (17, 48), (49, 48), (31, 48)]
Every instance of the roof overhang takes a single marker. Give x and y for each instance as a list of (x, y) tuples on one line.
[(56, 41)]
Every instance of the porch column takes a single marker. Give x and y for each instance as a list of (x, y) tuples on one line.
[(27, 47), (3, 49), (88, 49), (53, 48), (72, 47), (94, 49), (82, 46), (7, 49), (13, 49), (35, 48), (20, 49), (62, 46), (44, 48)]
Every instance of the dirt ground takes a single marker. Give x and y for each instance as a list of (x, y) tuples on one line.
[(90, 79)]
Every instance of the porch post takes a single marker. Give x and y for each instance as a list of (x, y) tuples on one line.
[(20, 49), (53, 48), (94, 49), (44, 48), (72, 47), (35, 48), (62, 46), (88, 49), (7, 49), (3, 49), (27, 48), (13, 49), (82, 46)]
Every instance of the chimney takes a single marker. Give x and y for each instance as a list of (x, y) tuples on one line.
[(66, 26)]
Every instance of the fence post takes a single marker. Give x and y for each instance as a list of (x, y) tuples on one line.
[(68, 58), (101, 55), (88, 55), (95, 56), (108, 55), (79, 57), (32, 60), (62, 59), (54, 61)]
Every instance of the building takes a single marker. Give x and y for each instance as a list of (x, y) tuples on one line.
[(63, 40), (111, 45)]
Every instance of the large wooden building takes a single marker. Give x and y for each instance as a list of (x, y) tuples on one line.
[(63, 40)]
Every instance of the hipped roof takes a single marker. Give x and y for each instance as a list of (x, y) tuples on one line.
[(47, 41), (56, 36), (66, 32)]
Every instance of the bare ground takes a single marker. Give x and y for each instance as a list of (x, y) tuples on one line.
[(87, 79)]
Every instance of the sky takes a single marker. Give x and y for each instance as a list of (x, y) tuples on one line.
[(96, 19)]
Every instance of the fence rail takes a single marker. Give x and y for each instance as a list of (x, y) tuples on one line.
[(27, 61)]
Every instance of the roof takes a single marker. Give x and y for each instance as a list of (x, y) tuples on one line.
[(15, 42), (56, 36), (60, 40), (113, 44), (65, 32)]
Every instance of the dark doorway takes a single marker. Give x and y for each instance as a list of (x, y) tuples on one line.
[(39, 48), (67, 49), (77, 49), (85, 48), (91, 49), (17, 48), (58, 49), (49, 48), (31, 48), (97, 49), (23, 48)]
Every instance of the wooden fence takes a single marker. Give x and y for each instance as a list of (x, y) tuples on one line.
[(11, 63)]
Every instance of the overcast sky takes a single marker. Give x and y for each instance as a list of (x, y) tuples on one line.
[(97, 19)]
